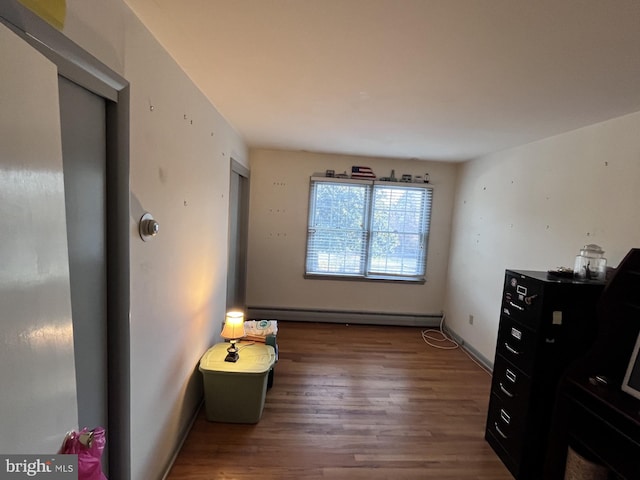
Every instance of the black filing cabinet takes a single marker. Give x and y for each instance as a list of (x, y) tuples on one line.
[(545, 324)]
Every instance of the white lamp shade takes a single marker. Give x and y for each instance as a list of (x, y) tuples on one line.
[(233, 326)]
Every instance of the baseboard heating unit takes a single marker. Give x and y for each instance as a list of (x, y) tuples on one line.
[(344, 316)]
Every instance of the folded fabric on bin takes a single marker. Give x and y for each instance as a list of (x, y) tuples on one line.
[(258, 330)]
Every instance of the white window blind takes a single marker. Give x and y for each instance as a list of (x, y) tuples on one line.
[(361, 228), (337, 233)]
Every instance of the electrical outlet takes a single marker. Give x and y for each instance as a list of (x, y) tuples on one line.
[(470, 319)]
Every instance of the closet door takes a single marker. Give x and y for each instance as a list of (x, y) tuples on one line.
[(38, 394), (83, 123)]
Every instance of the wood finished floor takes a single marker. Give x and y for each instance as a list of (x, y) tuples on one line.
[(355, 402)]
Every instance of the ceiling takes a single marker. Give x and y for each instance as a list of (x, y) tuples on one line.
[(442, 80)]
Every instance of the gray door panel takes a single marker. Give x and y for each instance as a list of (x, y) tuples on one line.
[(83, 125)]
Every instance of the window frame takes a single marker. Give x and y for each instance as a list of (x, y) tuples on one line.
[(368, 215)]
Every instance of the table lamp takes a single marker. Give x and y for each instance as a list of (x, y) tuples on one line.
[(232, 331)]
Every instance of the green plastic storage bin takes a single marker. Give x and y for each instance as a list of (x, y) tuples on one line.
[(235, 392)]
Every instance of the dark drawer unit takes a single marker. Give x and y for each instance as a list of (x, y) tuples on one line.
[(510, 385), (545, 324), (521, 299), (506, 425), (517, 344)]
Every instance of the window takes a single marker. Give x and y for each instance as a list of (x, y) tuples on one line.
[(368, 229)]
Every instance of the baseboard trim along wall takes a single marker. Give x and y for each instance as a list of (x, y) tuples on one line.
[(344, 316), (182, 439), (469, 348)]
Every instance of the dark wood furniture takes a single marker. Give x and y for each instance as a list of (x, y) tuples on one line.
[(593, 415), (545, 324)]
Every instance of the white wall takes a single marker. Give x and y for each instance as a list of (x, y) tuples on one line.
[(180, 162), (533, 207), (277, 237)]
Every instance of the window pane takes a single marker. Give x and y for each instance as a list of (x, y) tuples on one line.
[(336, 233), (335, 251), (396, 254), (339, 205), (399, 231)]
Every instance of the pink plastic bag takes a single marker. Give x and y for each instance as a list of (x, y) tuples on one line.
[(88, 445)]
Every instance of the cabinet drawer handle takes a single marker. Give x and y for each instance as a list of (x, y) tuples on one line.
[(510, 375), (511, 349), (495, 425), (505, 391), (516, 306)]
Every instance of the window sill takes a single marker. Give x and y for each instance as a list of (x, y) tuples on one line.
[(357, 278)]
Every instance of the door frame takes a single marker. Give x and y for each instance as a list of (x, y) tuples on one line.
[(82, 68), (241, 209)]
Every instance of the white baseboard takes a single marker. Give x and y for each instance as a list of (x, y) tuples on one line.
[(486, 363), (183, 438), (344, 316)]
